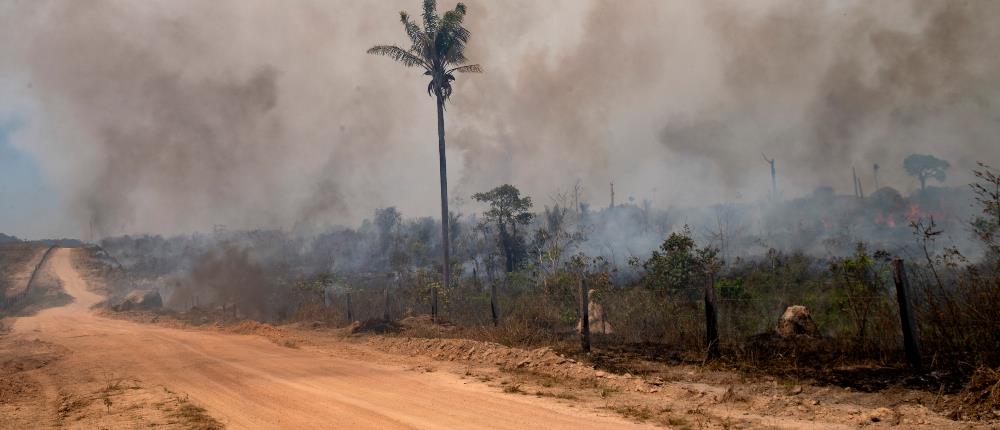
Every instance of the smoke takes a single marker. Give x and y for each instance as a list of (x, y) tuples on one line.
[(854, 84), (227, 276), (172, 116)]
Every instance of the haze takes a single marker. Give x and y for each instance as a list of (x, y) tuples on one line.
[(173, 116)]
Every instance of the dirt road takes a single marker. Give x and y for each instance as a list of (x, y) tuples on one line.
[(249, 382)]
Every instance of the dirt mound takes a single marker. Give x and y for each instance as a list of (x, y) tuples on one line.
[(140, 300), (542, 361), (980, 399), (598, 322), (475, 351), (796, 321), (256, 328)]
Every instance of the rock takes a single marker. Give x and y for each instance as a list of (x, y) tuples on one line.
[(796, 321), (795, 390), (144, 300), (884, 415)]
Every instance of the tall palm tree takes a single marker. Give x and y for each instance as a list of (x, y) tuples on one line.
[(439, 49)]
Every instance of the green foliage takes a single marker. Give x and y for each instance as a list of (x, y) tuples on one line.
[(679, 263), (510, 214), (442, 293), (506, 205), (438, 47), (731, 289), (554, 239), (860, 286)]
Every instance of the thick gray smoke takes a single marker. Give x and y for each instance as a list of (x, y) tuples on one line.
[(851, 84), (179, 115)]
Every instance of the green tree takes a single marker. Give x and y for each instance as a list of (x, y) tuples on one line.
[(860, 280), (923, 166), (508, 210), (679, 263), (439, 49)]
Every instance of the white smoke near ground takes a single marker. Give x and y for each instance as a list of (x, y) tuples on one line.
[(173, 116)]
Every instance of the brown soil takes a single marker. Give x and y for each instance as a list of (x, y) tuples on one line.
[(244, 381), (253, 375), (669, 395)]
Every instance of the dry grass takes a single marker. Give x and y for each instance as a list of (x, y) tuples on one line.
[(633, 412), (194, 417), (980, 397), (513, 389), (557, 395)]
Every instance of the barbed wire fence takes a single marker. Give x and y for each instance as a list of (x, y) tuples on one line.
[(868, 324)]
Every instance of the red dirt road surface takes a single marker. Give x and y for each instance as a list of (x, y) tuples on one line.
[(249, 382)]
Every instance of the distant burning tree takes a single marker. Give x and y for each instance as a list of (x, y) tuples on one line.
[(923, 166)]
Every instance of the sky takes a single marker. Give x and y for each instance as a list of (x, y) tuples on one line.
[(172, 116), (28, 204)]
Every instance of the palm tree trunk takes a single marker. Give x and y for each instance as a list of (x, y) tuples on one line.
[(445, 243)]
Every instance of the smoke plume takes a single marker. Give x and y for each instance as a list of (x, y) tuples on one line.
[(172, 116)]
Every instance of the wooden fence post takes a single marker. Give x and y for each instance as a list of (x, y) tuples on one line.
[(711, 319), (434, 303), (494, 305), (350, 310), (386, 314), (584, 317), (911, 343)]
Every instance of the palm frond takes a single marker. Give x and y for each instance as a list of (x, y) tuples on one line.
[(446, 88), (435, 47), (456, 55), (431, 18), (413, 31), (471, 68), (452, 24), (399, 54), (449, 51), (449, 43)]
